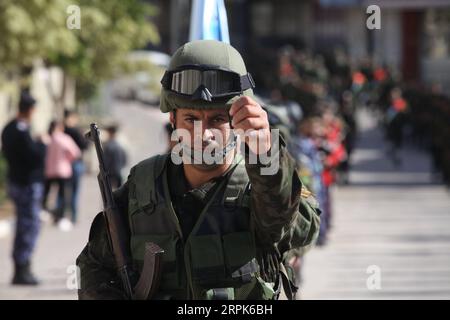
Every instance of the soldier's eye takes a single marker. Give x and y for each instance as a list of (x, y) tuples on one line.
[(190, 119), (219, 120)]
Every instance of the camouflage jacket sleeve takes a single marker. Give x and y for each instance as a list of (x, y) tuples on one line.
[(98, 276), (283, 215)]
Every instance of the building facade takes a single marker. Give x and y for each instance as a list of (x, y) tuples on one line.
[(414, 38)]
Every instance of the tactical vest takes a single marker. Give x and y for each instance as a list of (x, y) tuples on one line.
[(219, 258)]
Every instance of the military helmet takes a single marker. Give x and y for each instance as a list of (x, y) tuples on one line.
[(205, 74)]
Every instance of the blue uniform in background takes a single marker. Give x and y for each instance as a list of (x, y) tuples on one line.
[(26, 160), (310, 170)]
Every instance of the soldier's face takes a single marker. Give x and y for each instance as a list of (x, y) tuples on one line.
[(207, 128)]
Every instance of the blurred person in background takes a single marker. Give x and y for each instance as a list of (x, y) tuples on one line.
[(395, 123), (115, 156), (47, 182), (309, 167), (333, 154), (61, 153), (25, 158), (347, 112), (71, 121)]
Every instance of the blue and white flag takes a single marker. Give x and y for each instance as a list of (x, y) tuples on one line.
[(209, 21)]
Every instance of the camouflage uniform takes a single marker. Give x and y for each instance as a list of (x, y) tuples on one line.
[(227, 239)]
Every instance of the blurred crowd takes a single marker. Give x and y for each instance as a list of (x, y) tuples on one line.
[(429, 118), (51, 163), (416, 115), (314, 102), (313, 105)]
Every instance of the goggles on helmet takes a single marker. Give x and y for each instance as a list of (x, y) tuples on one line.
[(206, 82)]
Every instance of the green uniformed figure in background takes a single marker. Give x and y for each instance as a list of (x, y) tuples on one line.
[(225, 228)]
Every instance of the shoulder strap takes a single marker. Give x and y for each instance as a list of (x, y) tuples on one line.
[(287, 287), (237, 186), (144, 175)]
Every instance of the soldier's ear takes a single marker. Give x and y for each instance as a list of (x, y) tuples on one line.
[(172, 119)]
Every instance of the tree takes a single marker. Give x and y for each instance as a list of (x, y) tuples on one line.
[(36, 29), (31, 29), (109, 30)]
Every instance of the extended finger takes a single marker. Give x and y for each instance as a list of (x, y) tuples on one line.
[(246, 112), (239, 103)]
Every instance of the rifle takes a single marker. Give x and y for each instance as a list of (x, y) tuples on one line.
[(150, 275)]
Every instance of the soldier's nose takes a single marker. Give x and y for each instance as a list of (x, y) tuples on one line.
[(208, 135)]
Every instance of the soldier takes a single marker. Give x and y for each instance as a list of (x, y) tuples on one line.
[(225, 228)]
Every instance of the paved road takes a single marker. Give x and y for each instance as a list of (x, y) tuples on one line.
[(392, 222)]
